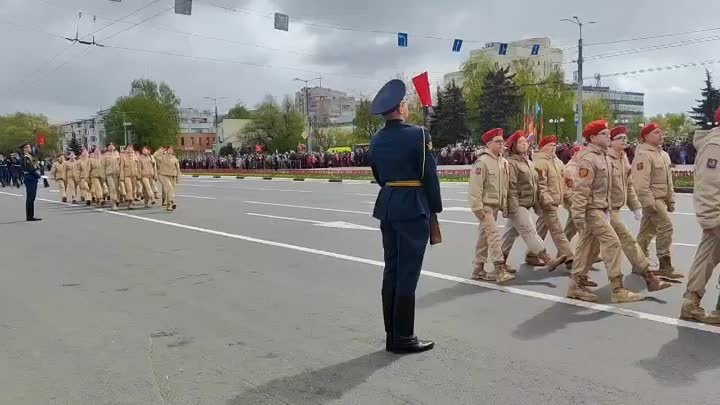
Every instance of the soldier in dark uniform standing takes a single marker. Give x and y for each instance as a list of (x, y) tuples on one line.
[(31, 174), (409, 196)]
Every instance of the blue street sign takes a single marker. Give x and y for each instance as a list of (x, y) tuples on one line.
[(402, 39), (503, 49), (457, 45), (535, 50)]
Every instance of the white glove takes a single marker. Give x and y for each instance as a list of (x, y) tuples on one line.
[(638, 214)]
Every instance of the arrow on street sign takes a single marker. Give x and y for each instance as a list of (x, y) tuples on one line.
[(457, 45), (402, 39)]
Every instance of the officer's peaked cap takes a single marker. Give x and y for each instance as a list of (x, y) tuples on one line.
[(389, 97)]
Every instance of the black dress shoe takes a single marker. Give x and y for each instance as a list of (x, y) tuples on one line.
[(34, 219), (411, 344)]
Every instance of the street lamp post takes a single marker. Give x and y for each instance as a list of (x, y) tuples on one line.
[(575, 20), (126, 124), (307, 107), (557, 122)]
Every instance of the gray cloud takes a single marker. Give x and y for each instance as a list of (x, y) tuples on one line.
[(81, 81)]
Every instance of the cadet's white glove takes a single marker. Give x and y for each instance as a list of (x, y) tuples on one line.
[(638, 214)]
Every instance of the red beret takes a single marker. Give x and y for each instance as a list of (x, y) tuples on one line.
[(717, 115), (618, 131), (576, 149), (647, 129), (594, 128), (548, 139), (514, 138), (489, 135)]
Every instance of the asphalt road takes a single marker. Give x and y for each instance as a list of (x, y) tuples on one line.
[(268, 292)]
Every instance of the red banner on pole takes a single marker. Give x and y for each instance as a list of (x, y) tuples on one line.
[(258, 148), (422, 87), (41, 139)]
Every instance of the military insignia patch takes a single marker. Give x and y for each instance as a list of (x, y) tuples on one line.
[(640, 166), (584, 172), (568, 183), (712, 163), (478, 170)]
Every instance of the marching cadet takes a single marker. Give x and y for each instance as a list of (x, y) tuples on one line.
[(590, 211), (97, 174), (522, 196), (707, 210), (409, 196), (652, 178), (551, 185), (169, 173), (487, 195), (570, 173), (73, 177), (30, 168), (59, 174), (148, 175), (129, 173), (138, 182), (112, 174), (622, 193), (85, 182)]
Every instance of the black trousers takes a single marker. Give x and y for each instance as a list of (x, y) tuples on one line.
[(31, 184)]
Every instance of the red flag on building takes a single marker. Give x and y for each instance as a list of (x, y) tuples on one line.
[(422, 87)]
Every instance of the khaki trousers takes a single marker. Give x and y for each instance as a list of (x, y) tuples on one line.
[(113, 182), (71, 189), (549, 221), (629, 246), (656, 225), (62, 187), (707, 257), (168, 189), (85, 189), (488, 248), (520, 224), (130, 188), (96, 189), (598, 231), (147, 188)]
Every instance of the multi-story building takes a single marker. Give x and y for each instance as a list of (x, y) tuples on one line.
[(90, 132), (193, 121), (547, 60), (626, 104), (326, 106)]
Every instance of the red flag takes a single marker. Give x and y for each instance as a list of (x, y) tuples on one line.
[(422, 87), (41, 139)]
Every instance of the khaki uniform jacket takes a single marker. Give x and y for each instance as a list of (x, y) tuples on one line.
[(570, 172), (622, 191), (488, 182), (84, 166), (97, 168), (168, 165), (147, 166), (129, 166), (73, 170), (592, 183), (522, 183), (707, 179), (59, 171), (111, 162), (551, 179), (652, 176)]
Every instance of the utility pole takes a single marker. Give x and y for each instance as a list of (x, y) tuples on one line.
[(307, 107), (579, 107), (215, 100)]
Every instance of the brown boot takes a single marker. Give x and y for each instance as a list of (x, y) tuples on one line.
[(510, 269), (667, 269), (480, 274), (621, 294), (501, 274), (692, 311), (652, 282), (551, 263), (534, 261), (578, 291), (585, 281), (569, 264)]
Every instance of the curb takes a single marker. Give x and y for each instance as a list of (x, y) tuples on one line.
[(196, 175), (334, 180), (684, 190), (216, 177), (298, 179), (240, 177), (267, 178)]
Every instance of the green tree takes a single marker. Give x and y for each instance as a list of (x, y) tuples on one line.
[(448, 125), (151, 110), (555, 98), (277, 127), (74, 146), (595, 108), (239, 112), (18, 128), (473, 72), (498, 105), (710, 102), (227, 150), (366, 124)]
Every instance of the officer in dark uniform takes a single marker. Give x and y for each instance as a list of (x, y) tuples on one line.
[(404, 167), (31, 174), (4, 172)]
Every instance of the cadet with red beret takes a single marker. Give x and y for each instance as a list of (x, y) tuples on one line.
[(590, 211), (652, 179), (522, 196)]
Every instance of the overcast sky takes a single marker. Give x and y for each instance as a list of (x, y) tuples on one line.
[(253, 59)]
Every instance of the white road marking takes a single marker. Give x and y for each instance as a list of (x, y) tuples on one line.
[(196, 196), (253, 188), (12, 194), (344, 211), (312, 221), (512, 290), (457, 209), (332, 224)]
